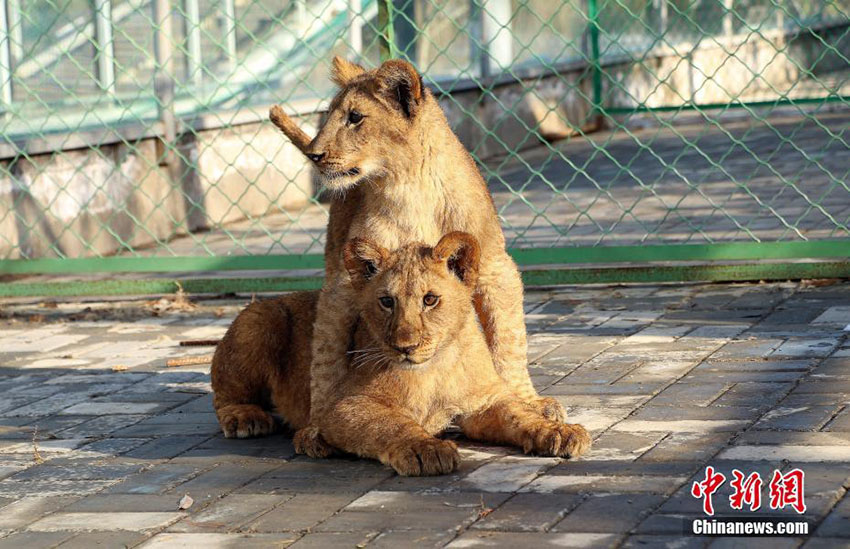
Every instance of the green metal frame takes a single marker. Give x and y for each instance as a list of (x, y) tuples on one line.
[(719, 251), (583, 275), (768, 265)]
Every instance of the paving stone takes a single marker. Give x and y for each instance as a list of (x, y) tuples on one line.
[(841, 422), (300, 512), (34, 539), (596, 484), (334, 540), (30, 508), (825, 479), (801, 418), (100, 426), (53, 488), (151, 429), (595, 421), (759, 376), (400, 511), (806, 347), (755, 543), (506, 475), (687, 446), (701, 394), (222, 479), (534, 539), (155, 480), (104, 521), (792, 453), (166, 447), (823, 386), (755, 365), (104, 539), (793, 437), (613, 468), (651, 412), (218, 450), (392, 540), (168, 540), (825, 543), (529, 512), (756, 347), (681, 426), (600, 402), (108, 408), (229, 513), (660, 523), (570, 387), (670, 542), (107, 447), (312, 476), (753, 394), (609, 513), (836, 523), (622, 446), (658, 371), (107, 502)]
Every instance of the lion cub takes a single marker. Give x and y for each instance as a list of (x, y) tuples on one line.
[(419, 360)]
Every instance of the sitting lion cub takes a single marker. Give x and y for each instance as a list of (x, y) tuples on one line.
[(419, 361)]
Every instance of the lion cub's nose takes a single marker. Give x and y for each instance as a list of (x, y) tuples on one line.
[(405, 349), (316, 157)]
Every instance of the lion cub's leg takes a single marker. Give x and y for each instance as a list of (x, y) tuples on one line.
[(498, 303), (512, 421), (335, 320), (243, 369), (363, 426)]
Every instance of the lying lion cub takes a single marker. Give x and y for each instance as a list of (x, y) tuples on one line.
[(419, 361)]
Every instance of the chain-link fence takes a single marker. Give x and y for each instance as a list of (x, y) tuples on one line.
[(137, 128)]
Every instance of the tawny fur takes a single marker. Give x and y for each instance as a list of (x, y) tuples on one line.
[(414, 366), (400, 175)]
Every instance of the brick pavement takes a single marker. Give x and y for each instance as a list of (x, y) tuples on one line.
[(99, 440)]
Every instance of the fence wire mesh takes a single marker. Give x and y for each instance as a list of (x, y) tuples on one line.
[(138, 127)]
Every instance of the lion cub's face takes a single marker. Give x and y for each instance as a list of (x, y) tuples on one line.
[(368, 122), (414, 300)]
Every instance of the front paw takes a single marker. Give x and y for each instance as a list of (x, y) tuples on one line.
[(550, 408), (245, 421), (551, 438), (428, 456), (310, 442)]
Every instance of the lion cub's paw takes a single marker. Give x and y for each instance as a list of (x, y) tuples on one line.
[(245, 421), (550, 408), (310, 442), (557, 439), (427, 456)]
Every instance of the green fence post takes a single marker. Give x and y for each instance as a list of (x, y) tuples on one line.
[(405, 30), (595, 66), (385, 27)]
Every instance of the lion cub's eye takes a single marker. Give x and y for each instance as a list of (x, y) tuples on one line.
[(354, 117), (430, 300), (386, 302)]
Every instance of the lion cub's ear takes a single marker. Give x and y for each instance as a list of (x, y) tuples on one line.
[(344, 71), (399, 82), (460, 254), (363, 260)]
